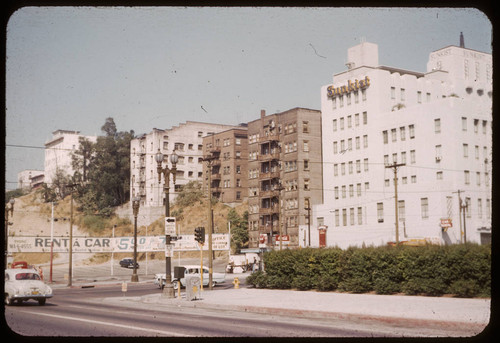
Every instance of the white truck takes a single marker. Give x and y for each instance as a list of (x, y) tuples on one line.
[(217, 278), (242, 262)]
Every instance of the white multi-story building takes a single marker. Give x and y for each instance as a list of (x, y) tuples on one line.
[(58, 151), (435, 125), (187, 141), (25, 178)]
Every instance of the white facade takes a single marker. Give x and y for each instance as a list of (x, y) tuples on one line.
[(24, 178), (187, 140), (437, 123), (58, 151)]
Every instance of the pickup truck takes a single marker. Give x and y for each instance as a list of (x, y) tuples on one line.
[(217, 278)]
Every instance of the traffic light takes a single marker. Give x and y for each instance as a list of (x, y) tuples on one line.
[(199, 235)]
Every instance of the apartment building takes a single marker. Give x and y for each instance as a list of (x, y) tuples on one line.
[(28, 179), (187, 141), (59, 150), (433, 129), (228, 151), (284, 175)]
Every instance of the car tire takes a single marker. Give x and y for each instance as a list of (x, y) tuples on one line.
[(8, 300), (41, 302)]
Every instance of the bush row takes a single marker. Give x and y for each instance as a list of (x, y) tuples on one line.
[(463, 270)]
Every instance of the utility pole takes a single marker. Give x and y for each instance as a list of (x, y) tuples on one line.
[(464, 209), (460, 212), (70, 262), (395, 170), (209, 160), (308, 209)]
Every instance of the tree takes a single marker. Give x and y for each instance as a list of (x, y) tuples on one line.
[(104, 166), (239, 230)]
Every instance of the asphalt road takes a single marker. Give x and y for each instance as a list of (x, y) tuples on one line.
[(78, 312)]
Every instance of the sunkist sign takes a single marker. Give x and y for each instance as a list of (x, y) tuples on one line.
[(351, 86)]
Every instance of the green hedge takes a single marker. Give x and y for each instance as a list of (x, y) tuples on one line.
[(461, 270)]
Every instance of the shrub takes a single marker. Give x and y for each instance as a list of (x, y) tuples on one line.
[(257, 279)]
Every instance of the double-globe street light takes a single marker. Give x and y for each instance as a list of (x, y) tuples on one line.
[(136, 201), (168, 290)]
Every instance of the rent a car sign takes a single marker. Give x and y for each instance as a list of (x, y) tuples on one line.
[(109, 244)]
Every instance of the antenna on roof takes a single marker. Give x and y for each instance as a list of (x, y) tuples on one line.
[(462, 44)]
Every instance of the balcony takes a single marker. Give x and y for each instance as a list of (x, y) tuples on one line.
[(269, 138), (273, 155), (269, 175)]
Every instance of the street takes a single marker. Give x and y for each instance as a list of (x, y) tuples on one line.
[(79, 312)]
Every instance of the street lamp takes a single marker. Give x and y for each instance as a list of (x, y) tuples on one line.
[(136, 201), (7, 210), (168, 290)]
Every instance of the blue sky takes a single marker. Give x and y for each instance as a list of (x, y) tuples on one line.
[(71, 68)]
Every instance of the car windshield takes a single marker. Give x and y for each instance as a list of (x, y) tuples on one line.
[(27, 276)]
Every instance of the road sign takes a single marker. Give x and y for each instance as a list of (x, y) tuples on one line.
[(170, 226), (169, 250), (446, 223)]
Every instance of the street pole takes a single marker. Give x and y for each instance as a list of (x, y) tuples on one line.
[(168, 290), (7, 210), (70, 262), (135, 208), (51, 242), (395, 170), (308, 209), (460, 212), (209, 160)]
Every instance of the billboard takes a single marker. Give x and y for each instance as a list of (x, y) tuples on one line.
[(220, 241)]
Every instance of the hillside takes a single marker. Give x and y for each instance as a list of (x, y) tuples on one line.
[(32, 217)]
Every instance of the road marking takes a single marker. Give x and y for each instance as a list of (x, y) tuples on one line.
[(166, 333)]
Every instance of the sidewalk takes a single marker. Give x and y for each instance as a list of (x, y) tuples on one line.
[(466, 317)]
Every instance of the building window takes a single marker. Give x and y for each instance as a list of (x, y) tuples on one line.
[(349, 121), (412, 157), (342, 123), (385, 136), (335, 147), (386, 160), (414, 179), (336, 192), (387, 183), (335, 169), (403, 157), (438, 153), (306, 146), (358, 144), (306, 164), (480, 208), (337, 219), (439, 175), (380, 212), (365, 118), (351, 191), (334, 103), (363, 94), (478, 178), (401, 210), (395, 158), (306, 184), (356, 119), (344, 217), (360, 216), (419, 97), (334, 125), (350, 167), (342, 168), (344, 192), (351, 215), (476, 150), (358, 189), (412, 131), (393, 92), (403, 94), (365, 164), (485, 123), (466, 177), (358, 166), (437, 125), (476, 125), (305, 127), (404, 180), (402, 133), (424, 207), (393, 135), (464, 124), (365, 141), (466, 150)]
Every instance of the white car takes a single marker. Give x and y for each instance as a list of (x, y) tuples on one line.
[(191, 270), (24, 284)]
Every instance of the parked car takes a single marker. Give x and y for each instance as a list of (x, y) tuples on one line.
[(128, 263), (217, 278), (25, 284)]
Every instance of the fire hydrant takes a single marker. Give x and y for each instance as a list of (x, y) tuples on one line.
[(236, 283)]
